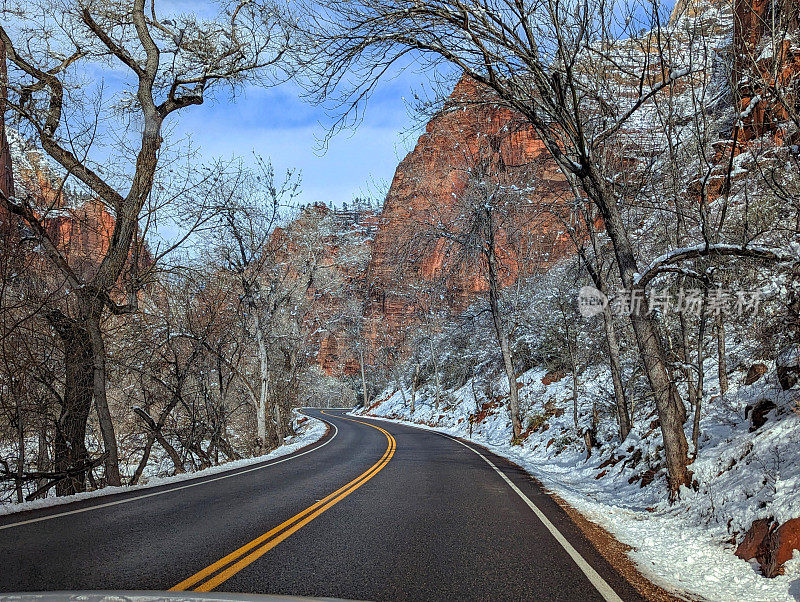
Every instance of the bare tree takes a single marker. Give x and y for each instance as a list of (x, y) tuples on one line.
[(248, 252), (468, 236), (6, 171), (170, 63), (581, 225)]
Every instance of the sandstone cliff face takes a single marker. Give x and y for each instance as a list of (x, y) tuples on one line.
[(83, 233), (80, 225), (766, 67), (431, 177), (408, 258), (753, 19), (336, 244)]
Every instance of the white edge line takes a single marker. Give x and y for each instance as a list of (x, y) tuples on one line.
[(600, 584), (172, 489)]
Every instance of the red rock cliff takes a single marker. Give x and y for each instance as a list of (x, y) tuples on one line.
[(428, 182), (80, 226), (767, 66)]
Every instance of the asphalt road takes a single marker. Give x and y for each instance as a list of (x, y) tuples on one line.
[(374, 511)]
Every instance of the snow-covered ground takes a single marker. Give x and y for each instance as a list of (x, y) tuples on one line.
[(309, 432), (686, 547)]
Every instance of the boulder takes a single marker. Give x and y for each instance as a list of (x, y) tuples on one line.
[(780, 546), (752, 544), (755, 372), (758, 413), (787, 366), (770, 545)]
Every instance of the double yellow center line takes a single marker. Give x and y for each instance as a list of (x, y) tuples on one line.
[(224, 568)]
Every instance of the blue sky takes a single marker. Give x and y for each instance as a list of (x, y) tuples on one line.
[(277, 124)]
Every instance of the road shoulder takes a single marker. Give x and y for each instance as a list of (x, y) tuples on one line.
[(317, 435)]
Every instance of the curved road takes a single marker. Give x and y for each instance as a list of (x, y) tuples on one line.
[(373, 511)]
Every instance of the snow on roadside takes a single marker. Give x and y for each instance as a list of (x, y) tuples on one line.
[(685, 548), (311, 431)]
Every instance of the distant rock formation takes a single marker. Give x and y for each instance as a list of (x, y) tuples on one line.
[(767, 66), (80, 225), (428, 181)]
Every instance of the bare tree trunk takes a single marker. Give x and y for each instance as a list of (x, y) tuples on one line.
[(574, 387), (508, 364), (148, 446), (438, 398), (111, 462), (414, 384), (722, 362), (474, 393), (205, 460), (171, 452), (573, 369), (263, 377), (590, 434), (435, 360), (400, 386), (227, 449), (292, 368), (623, 414), (497, 321), (686, 357), (155, 434), (43, 459), (70, 438), (277, 415), (671, 411), (363, 378), (20, 454), (700, 372), (6, 169)]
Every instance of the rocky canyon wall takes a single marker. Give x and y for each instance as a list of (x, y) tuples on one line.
[(414, 265)]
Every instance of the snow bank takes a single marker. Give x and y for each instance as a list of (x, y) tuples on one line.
[(311, 431)]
